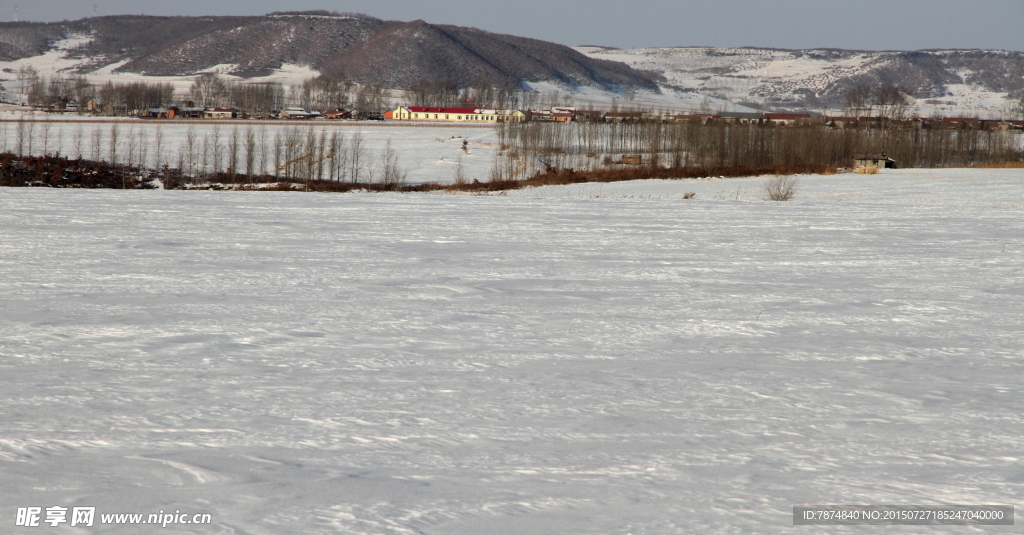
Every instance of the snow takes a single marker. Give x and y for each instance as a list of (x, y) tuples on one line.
[(557, 360)]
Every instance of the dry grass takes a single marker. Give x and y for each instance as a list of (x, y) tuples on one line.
[(867, 170), (999, 165), (561, 177)]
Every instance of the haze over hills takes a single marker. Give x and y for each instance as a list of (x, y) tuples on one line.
[(947, 82), (361, 48)]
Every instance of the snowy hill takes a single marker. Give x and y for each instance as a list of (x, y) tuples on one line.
[(949, 82), (363, 49)]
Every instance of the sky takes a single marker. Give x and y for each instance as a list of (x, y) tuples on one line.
[(850, 24)]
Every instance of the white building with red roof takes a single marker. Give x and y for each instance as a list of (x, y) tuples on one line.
[(461, 115)]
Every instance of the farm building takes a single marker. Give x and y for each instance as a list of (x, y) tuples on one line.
[(219, 113), (880, 161), (472, 115)]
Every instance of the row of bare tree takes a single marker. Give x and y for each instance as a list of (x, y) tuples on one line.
[(243, 155), (529, 147)]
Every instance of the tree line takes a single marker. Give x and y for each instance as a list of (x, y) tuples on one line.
[(527, 148), (320, 93)]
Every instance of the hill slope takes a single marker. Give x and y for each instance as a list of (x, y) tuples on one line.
[(944, 81), (365, 49)]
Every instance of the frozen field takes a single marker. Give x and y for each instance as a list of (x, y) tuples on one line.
[(569, 360)]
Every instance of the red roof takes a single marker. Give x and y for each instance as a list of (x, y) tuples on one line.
[(422, 109), (785, 116)]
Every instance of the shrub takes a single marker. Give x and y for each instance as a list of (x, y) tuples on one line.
[(780, 187)]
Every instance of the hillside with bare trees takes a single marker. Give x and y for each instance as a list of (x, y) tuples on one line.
[(356, 47)]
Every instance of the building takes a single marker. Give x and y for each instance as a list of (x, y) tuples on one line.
[(219, 113), (701, 118), (156, 113), (879, 161), (338, 113), (840, 122), (463, 115), (735, 117), (296, 112), (185, 112), (623, 117), (563, 115), (785, 119)]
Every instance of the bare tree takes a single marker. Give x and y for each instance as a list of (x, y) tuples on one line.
[(190, 151), (115, 138), (893, 102), (262, 150), (250, 152), (233, 154), (392, 176), (3, 136), (1018, 106), (356, 154), (97, 143), (215, 149), (21, 137), (31, 126), (208, 89), (46, 137), (158, 147), (143, 147), (859, 101), (460, 175)]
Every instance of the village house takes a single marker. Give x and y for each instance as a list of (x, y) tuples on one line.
[(879, 161), (472, 115), (156, 113), (185, 112), (338, 113), (701, 118), (840, 122), (561, 114), (296, 112), (785, 119), (736, 117), (623, 117), (540, 116), (219, 113)]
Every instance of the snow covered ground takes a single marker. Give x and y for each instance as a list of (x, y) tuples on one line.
[(584, 359)]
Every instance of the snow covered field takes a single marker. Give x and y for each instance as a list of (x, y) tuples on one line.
[(582, 359)]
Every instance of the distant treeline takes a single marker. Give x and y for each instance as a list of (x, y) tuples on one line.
[(319, 93), (528, 154), (527, 148)]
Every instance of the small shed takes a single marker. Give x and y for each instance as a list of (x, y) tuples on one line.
[(880, 161)]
